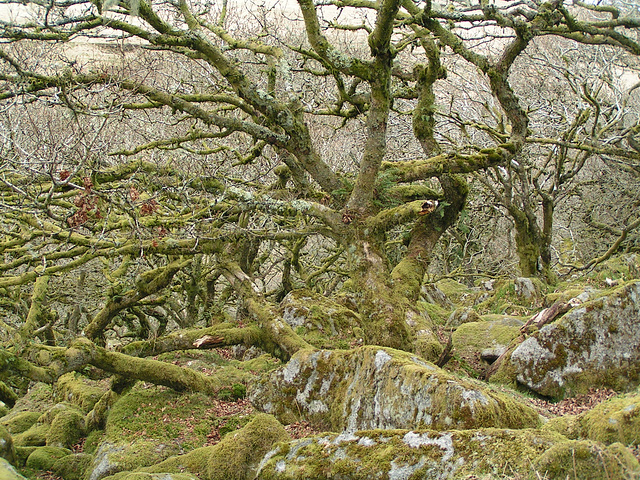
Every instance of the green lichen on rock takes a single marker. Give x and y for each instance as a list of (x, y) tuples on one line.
[(374, 387), (615, 420), (596, 344), (322, 322), (382, 454), (43, 458), (587, 459), (78, 389)]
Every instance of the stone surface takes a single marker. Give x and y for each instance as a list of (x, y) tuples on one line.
[(458, 454), (8, 472), (374, 387), (7, 450), (485, 340), (594, 345)]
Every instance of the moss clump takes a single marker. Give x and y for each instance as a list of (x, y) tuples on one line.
[(7, 450), (567, 425), (615, 420), (455, 291), (43, 458), (35, 436), (75, 388), (238, 454), (20, 422), (586, 459), (72, 467), (436, 313), (93, 440), (66, 429)]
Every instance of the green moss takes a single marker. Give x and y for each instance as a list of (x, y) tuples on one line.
[(7, 450), (472, 340), (586, 459), (72, 467), (75, 388), (455, 291), (8, 472), (66, 429), (150, 414), (237, 455), (20, 422), (567, 425), (319, 320), (436, 313), (410, 454), (93, 440), (35, 436), (615, 420), (43, 458)]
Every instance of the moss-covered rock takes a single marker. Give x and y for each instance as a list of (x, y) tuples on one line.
[(615, 420), (463, 454), (237, 456), (43, 458), (587, 459), (67, 427), (239, 453), (7, 450), (35, 436), (485, 340), (20, 421), (80, 390), (319, 320), (374, 387), (148, 425), (567, 425), (151, 476), (72, 467), (461, 316), (594, 345), (8, 472)]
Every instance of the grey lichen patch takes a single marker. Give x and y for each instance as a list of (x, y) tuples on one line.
[(594, 345), (374, 387)]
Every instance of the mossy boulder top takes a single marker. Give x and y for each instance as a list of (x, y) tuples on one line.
[(457, 454), (594, 345), (374, 387)]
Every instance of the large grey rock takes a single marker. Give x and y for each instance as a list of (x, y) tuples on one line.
[(374, 387), (594, 345)]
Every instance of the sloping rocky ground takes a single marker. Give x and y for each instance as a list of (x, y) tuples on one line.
[(540, 384)]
